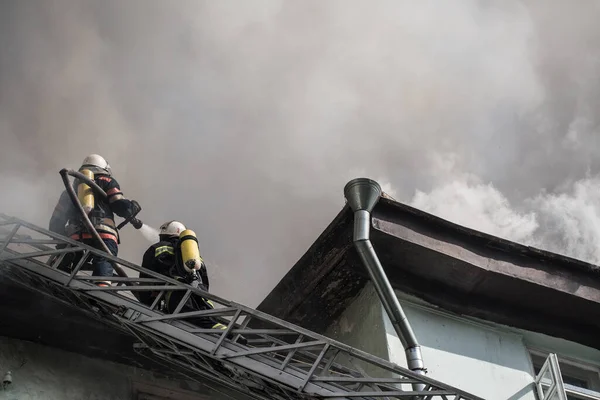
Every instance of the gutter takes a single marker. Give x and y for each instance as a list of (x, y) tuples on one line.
[(362, 195)]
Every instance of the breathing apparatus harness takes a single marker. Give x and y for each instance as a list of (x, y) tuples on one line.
[(99, 216), (88, 184), (184, 263), (187, 262)]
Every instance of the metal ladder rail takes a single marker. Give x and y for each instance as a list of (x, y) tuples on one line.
[(268, 374), (306, 355), (78, 300), (126, 313), (70, 302), (153, 322), (269, 316)]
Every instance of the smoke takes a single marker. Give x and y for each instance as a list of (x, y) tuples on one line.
[(244, 121), (471, 203), (149, 233), (566, 222)]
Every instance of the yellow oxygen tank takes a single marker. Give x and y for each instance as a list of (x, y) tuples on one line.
[(190, 252), (85, 192)]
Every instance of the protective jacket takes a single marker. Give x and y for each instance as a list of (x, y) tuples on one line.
[(67, 221), (164, 258)]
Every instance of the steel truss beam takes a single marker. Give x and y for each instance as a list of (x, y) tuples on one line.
[(281, 361)]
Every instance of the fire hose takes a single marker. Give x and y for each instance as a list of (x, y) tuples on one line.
[(90, 227)]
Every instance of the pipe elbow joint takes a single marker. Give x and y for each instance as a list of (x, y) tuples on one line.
[(414, 359)]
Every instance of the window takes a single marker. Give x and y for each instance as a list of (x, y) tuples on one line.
[(560, 378)]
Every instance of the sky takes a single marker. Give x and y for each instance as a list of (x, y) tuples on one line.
[(244, 120)]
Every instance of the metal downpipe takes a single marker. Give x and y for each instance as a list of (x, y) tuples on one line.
[(362, 195)]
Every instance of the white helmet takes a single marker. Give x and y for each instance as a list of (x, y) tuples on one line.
[(172, 228), (97, 163)]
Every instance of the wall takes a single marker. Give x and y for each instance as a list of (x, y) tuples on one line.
[(361, 326), (476, 358), (41, 372), (488, 360), (44, 373)]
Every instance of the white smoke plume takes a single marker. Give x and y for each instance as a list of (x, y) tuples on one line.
[(150, 234), (567, 222), (473, 204), (244, 120)]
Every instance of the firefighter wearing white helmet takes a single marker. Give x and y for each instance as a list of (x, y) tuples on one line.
[(96, 164), (171, 228), (101, 211), (177, 256)]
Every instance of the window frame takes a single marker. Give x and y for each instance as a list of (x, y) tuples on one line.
[(571, 368)]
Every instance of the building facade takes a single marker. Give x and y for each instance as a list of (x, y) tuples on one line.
[(492, 317), (493, 361), (44, 372)]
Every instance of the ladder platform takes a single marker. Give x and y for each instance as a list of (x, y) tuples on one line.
[(280, 360)]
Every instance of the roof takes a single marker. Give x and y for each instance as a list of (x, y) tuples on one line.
[(455, 268)]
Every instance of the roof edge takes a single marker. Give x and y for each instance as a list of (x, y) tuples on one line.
[(310, 269), (486, 239)]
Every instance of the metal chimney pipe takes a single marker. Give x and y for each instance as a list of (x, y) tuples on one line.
[(362, 195)]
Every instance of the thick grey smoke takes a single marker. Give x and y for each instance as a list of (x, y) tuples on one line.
[(245, 119)]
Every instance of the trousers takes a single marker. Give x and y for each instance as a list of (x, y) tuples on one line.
[(194, 303), (100, 265)]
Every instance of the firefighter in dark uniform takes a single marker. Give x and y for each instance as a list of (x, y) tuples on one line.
[(67, 221), (164, 257)]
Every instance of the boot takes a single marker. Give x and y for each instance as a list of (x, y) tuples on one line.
[(241, 340)]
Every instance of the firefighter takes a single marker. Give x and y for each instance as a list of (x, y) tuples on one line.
[(67, 221), (167, 257)]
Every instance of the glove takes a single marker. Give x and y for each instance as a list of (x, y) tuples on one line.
[(193, 279), (135, 207)]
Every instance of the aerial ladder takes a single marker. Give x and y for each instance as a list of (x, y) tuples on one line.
[(279, 361)]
